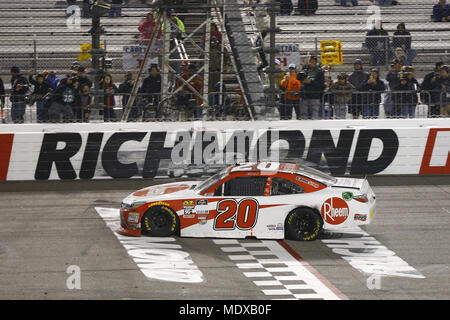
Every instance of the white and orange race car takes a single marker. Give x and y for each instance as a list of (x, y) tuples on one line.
[(264, 200)]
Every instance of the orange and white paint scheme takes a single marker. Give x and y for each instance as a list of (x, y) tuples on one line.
[(265, 200)]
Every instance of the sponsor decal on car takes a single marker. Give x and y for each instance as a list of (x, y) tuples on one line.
[(360, 217), (347, 196), (202, 202), (133, 217), (335, 211), (201, 211), (188, 204), (159, 203), (311, 183)]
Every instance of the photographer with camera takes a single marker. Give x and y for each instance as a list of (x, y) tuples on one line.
[(291, 85), (372, 95), (63, 102), (405, 93)]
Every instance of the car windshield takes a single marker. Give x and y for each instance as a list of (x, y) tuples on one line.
[(316, 175), (211, 180)]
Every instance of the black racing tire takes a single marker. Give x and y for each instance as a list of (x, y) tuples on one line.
[(303, 224), (160, 221)]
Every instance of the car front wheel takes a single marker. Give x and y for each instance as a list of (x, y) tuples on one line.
[(160, 221), (303, 224)]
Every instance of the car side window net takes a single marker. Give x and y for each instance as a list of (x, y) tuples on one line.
[(282, 186), (244, 186)]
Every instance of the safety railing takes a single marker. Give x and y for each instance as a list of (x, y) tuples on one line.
[(227, 106)]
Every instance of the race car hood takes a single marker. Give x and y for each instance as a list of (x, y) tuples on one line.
[(166, 190)]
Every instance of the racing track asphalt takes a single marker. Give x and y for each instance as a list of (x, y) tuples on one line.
[(45, 227)]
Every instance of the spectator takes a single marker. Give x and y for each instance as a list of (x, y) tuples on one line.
[(307, 7), (326, 111), (358, 78), (82, 77), (84, 100), (312, 90), (52, 79), (402, 40), (176, 25), (345, 3), (63, 103), (372, 95), (441, 11), (342, 93), (188, 98), (291, 86), (377, 42), (2, 100), (116, 9), (286, 7), (215, 33), (109, 89), (430, 84), (86, 13), (393, 79), (41, 90), (405, 93), (19, 89), (151, 90), (125, 90), (146, 28), (444, 84)]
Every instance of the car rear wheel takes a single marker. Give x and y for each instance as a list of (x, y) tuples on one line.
[(303, 224), (160, 221)]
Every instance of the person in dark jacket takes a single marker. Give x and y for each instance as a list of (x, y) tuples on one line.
[(405, 93), (2, 101), (84, 101), (83, 78), (402, 39), (116, 9), (151, 92), (286, 7), (312, 89), (372, 95), (307, 7), (441, 11), (377, 42), (432, 95), (41, 90), (358, 78), (125, 89), (443, 84), (393, 79), (64, 99), (19, 89)]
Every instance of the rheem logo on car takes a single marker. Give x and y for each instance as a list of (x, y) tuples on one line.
[(335, 211)]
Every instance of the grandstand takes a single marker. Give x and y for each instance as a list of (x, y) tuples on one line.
[(35, 34)]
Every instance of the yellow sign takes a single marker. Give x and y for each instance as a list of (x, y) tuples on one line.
[(85, 48), (331, 52)]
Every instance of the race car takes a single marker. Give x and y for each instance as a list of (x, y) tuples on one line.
[(263, 200)]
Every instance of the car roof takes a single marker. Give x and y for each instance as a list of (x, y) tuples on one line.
[(259, 167)]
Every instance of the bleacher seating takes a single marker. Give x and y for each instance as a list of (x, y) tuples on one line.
[(35, 32)]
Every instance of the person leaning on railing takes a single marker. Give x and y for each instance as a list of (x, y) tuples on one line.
[(431, 85), (404, 94), (444, 82), (41, 89), (109, 89), (358, 79), (342, 93), (372, 90), (19, 89), (312, 89), (291, 86)]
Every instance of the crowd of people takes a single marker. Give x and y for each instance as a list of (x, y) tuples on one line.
[(313, 95)]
